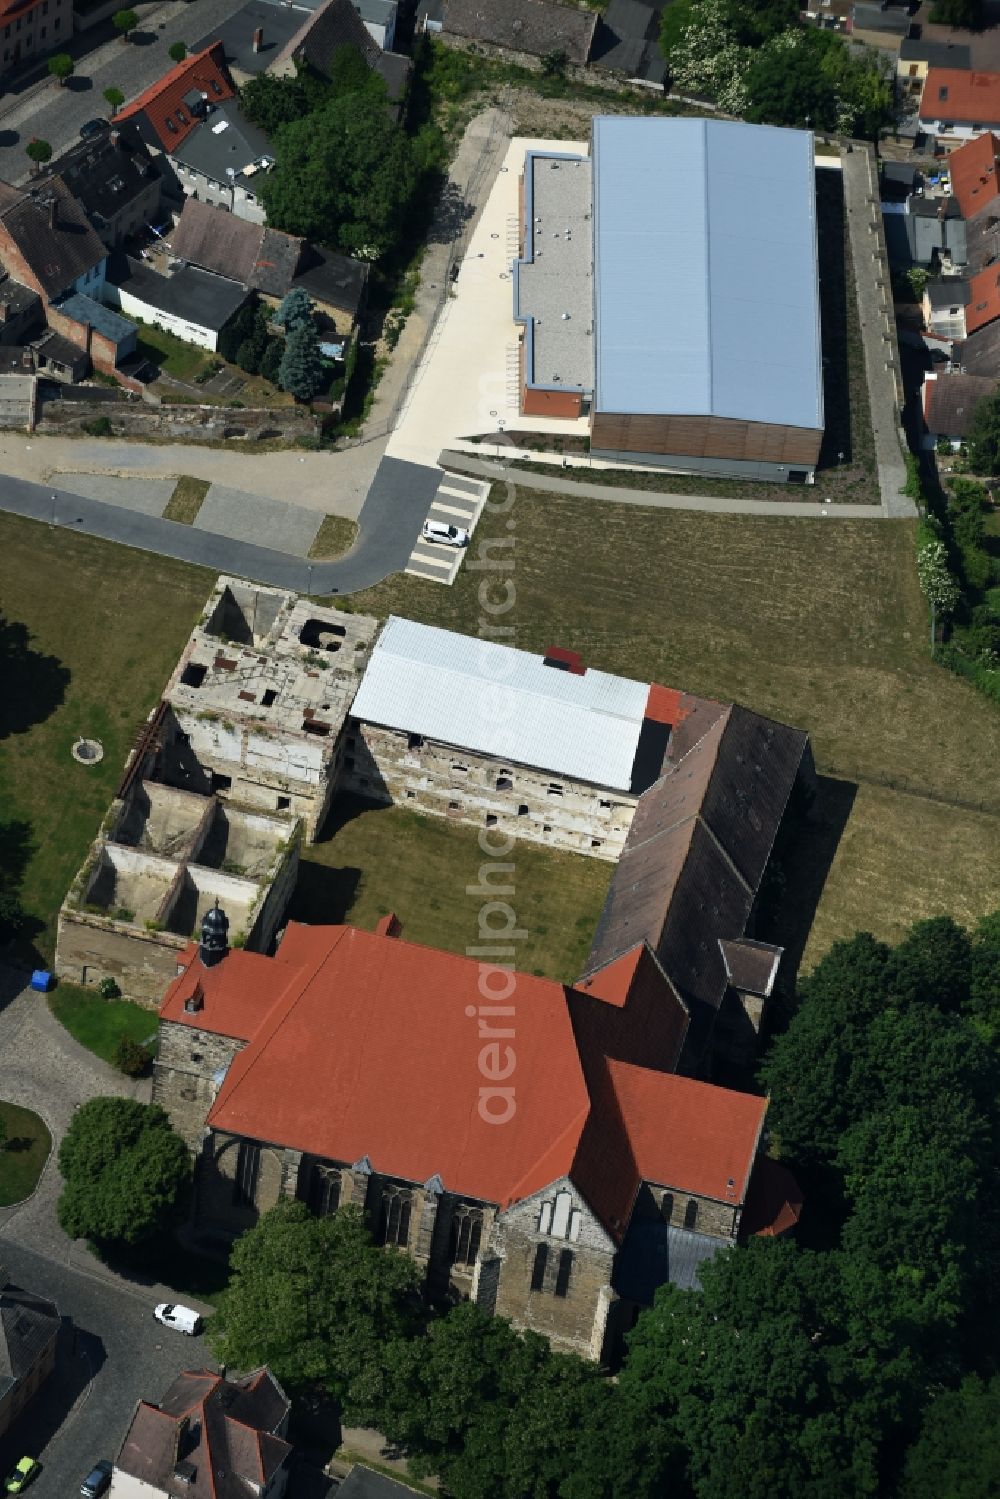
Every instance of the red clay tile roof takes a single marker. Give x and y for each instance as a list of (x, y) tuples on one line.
[(984, 299), (774, 1201), (691, 1136), (163, 101), (234, 998), (371, 1019), (960, 96), (973, 169)]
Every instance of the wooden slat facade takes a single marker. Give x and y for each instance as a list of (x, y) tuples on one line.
[(705, 437)]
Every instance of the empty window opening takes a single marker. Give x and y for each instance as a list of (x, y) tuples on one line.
[(247, 1172), (505, 783), (595, 842), (691, 1215), (555, 789), (461, 770), (667, 1205), (522, 810), (221, 783), (394, 1223), (193, 674), (538, 1268), (563, 1272), (324, 1190), (414, 741), (269, 699), (466, 1235), (348, 762), (315, 726), (322, 635), (491, 819), (284, 803)]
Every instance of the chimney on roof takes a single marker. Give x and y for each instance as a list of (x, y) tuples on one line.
[(115, 137), (214, 936), (258, 39), (53, 207), (389, 925)]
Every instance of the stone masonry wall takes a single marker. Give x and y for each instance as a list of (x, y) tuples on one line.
[(218, 1208), (184, 423), (531, 805), (574, 1321), (90, 947), (187, 1062), (719, 1219)]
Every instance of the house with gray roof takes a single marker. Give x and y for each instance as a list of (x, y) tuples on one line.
[(208, 1438), (29, 1327), (223, 161)]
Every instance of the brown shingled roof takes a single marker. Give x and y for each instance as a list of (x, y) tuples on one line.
[(535, 26), (53, 234)]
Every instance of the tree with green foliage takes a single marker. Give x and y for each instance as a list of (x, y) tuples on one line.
[(674, 22), (38, 152), (348, 73), (242, 326), (124, 22), (313, 1298), (302, 372), (294, 310), (271, 362), (933, 964), (114, 98), (984, 984), (177, 51), (984, 434), (126, 1174), (968, 13), (345, 175), (271, 102), (937, 582), (956, 1455), (61, 67)]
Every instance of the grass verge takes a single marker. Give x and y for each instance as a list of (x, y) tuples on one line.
[(102, 628), (335, 537), (23, 1154), (186, 500), (99, 1024), (373, 860)]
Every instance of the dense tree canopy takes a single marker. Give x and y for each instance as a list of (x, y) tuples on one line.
[(127, 1175), (313, 1298), (970, 13), (957, 1455), (984, 435)]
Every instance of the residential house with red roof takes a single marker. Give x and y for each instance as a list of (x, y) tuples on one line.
[(169, 110), (209, 1438), (957, 104), (529, 1143)]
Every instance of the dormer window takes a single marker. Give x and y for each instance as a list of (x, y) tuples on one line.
[(943, 94)]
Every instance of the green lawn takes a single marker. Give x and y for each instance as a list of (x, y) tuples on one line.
[(335, 536), (816, 622), (172, 355), (186, 500), (378, 859), (23, 1154), (99, 1024), (105, 626)]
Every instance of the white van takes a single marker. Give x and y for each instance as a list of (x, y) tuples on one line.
[(180, 1318)]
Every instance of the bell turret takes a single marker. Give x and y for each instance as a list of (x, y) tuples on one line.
[(214, 936)]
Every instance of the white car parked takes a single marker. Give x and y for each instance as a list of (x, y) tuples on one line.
[(180, 1318), (449, 536)]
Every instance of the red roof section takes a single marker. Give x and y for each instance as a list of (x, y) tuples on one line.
[(163, 102), (973, 169), (235, 997), (689, 1135), (664, 704), (774, 1201), (954, 94), (378, 1049), (984, 299)]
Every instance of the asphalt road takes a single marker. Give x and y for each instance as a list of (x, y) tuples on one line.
[(55, 114), (113, 1353), (388, 526)]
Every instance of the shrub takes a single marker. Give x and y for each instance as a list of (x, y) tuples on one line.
[(108, 989), (99, 427), (271, 362), (131, 1057)]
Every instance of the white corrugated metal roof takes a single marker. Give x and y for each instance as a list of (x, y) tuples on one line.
[(706, 291), (502, 702)]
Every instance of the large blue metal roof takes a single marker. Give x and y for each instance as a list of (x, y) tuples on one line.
[(706, 293)]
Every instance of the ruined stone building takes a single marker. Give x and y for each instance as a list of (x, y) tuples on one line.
[(537, 1154), (237, 760), (541, 747)]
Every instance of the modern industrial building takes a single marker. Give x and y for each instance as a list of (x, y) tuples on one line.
[(667, 287)]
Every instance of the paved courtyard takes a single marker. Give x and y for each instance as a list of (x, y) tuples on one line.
[(148, 496), (278, 524)]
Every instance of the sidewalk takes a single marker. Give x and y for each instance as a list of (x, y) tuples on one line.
[(618, 495)]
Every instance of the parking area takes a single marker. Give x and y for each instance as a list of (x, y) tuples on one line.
[(458, 501)]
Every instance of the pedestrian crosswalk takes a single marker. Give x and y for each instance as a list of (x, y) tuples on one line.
[(458, 501)]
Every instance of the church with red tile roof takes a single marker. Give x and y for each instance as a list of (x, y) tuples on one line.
[(529, 1143)]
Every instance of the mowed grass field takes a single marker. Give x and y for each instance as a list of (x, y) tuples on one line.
[(106, 625), (816, 622), (372, 860)]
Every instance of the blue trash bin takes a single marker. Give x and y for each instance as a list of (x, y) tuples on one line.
[(42, 980)]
